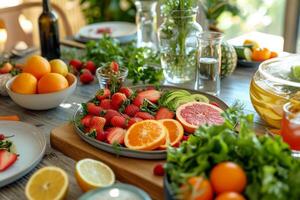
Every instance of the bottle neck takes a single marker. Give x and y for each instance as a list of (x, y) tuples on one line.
[(46, 6)]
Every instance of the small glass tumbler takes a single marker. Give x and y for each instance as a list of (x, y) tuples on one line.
[(209, 63), (108, 79), (290, 128)]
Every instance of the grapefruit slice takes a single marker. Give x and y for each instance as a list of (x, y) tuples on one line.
[(145, 135), (174, 134), (194, 114)]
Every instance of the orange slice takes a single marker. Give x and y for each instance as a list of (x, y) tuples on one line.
[(145, 135), (174, 134)]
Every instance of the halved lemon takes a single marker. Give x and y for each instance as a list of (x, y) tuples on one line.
[(91, 174), (48, 183), (145, 135)]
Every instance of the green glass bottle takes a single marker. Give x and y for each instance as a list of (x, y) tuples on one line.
[(49, 34)]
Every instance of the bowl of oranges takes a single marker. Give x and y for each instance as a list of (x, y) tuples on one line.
[(42, 85)]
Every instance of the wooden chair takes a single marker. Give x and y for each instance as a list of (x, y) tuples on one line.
[(15, 33)]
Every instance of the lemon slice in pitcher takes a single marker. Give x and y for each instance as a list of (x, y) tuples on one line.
[(48, 183)]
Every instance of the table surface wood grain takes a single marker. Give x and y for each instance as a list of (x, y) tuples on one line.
[(235, 87)]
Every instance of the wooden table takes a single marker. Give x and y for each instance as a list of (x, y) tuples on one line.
[(234, 88)]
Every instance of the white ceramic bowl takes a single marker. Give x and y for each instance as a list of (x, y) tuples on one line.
[(42, 101)]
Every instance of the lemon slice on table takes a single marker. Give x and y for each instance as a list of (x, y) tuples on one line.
[(91, 174), (48, 183)]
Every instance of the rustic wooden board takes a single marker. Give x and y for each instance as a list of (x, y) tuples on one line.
[(133, 171)]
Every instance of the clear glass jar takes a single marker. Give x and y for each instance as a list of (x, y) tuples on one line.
[(146, 20), (179, 46)]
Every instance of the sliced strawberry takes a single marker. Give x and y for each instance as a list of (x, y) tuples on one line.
[(144, 115), (151, 95), (114, 66), (116, 135), (85, 121), (109, 114), (131, 110), (102, 136), (103, 94), (158, 170), (127, 91), (106, 104), (119, 121), (97, 123), (138, 101), (133, 121), (164, 113), (7, 159), (76, 64), (90, 65), (93, 109), (86, 76), (117, 100)]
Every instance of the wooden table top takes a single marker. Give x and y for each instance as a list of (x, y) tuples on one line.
[(235, 87)]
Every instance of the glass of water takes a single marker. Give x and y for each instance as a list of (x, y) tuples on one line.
[(209, 63)]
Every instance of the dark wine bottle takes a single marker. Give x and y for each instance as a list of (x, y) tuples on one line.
[(49, 34)]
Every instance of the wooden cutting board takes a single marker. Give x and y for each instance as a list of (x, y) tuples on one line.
[(133, 171)]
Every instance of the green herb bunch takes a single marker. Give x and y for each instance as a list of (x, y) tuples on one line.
[(142, 63), (272, 173)]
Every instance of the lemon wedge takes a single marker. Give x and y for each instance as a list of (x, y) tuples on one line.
[(48, 183), (91, 174)]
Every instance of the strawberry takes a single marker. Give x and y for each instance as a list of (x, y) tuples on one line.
[(151, 95), (177, 144), (97, 123), (144, 115), (86, 76), (93, 109), (5, 68), (215, 104), (150, 87), (109, 114), (103, 94), (101, 136), (85, 121), (127, 91), (114, 66), (119, 121), (164, 113), (105, 104), (7, 159), (138, 101), (2, 136), (133, 121), (116, 135), (117, 100), (76, 64), (185, 137), (131, 110), (90, 65), (158, 170)]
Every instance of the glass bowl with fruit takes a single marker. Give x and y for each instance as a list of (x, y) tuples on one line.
[(274, 84)]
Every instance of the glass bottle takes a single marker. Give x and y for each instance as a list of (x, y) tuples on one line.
[(146, 20), (49, 33), (179, 46)]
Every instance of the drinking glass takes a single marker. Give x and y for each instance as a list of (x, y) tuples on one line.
[(290, 128), (209, 63)]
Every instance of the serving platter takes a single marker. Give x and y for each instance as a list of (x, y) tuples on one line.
[(30, 145), (123, 151)]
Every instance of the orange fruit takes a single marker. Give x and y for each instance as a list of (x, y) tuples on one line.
[(37, 66), (259, 54), (174, 134), (274, 54), (24, 83), (228, 177), (230, 196), (198, 188), (145, 135), (52, 82)]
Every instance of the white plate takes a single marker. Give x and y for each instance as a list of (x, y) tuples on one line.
[(30, 144), (118, 30)]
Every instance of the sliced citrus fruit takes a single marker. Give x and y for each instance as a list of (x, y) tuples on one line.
[(145, 135), (91, 174), (194, 114), (174, 134), (48, 183)]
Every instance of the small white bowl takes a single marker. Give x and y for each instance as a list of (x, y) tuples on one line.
[(42, 101)]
